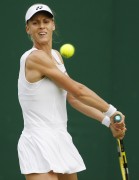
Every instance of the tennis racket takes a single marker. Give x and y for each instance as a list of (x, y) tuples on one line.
[(121, 153)]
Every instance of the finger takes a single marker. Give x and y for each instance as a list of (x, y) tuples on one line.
[(120, 125), (122, 135)]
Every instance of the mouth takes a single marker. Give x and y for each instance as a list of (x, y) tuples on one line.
[(42, 34)]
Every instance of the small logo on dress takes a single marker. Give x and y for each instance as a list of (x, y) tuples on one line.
[(39, 7)]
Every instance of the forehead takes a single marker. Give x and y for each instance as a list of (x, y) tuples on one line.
[(41, 14)]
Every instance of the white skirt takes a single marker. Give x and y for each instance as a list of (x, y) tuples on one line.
[(41, 150)]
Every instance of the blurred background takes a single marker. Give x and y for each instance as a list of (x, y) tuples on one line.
[(105, 35)]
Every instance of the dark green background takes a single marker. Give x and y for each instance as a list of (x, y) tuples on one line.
[(105, 35)]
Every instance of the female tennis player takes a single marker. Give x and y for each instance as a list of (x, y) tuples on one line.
[(45, 148)]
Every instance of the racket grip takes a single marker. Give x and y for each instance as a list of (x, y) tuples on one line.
[(117, 118)]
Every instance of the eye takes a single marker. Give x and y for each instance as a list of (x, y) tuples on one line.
[(34, 22), (46, 21)]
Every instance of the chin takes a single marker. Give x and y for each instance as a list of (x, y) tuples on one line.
[(43, 42)]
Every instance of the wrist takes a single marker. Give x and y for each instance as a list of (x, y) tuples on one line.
[(110, 111), (106, 121)]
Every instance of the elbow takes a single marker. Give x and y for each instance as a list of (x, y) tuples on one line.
[(80, 92), (77, 92), (72, 100)]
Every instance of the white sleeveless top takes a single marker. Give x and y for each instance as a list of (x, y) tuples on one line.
[(43, 103), (45, 144)]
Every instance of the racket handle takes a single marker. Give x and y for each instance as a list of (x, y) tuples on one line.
[(117, 118)]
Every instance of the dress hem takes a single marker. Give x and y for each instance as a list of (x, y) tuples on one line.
[(55, 171)]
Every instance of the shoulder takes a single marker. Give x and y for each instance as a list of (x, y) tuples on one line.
[(37, 55), (26, 54), (36, 59)]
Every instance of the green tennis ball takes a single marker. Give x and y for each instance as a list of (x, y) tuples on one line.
[(67, 50)]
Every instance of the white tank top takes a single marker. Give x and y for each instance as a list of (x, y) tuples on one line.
[(43, 103)]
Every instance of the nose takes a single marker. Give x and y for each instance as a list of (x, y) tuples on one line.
[(42, 25)]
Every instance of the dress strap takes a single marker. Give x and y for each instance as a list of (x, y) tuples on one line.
[(55, 55)]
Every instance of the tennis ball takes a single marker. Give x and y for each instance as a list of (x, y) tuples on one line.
[(67, 50)]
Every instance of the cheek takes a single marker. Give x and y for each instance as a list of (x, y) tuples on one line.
[(52, 28), (31, 30)]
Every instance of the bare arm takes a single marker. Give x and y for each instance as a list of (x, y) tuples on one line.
[(85, 109), (40, 64), (95, 114), (43, 64)]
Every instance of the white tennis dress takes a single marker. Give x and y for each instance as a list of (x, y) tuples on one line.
[(45, 145)]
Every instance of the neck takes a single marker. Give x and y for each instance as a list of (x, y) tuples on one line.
[(45, 47)]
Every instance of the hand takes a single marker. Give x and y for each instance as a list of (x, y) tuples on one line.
[(117, 133), (121, 124)]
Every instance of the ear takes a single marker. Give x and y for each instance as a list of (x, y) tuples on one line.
[(53, 26), (27, 29)]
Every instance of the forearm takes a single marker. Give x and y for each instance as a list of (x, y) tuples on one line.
[(44, 66), (93, 113), (86, 110), (90, 98)]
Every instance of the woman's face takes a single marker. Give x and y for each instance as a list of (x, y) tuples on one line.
[(40, 27)]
